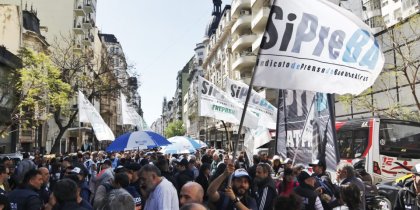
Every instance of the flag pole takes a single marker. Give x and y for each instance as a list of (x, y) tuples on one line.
[(248, 96)]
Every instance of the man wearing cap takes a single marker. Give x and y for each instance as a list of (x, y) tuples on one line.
[(235, 196), (183, 174), (409, 196), (323, 185), (306, 190)]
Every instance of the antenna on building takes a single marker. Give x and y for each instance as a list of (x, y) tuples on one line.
[(26, 6)]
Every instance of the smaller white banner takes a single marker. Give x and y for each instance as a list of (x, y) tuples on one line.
[(88, 113), (215, 103), (266, 112), (130, 115)]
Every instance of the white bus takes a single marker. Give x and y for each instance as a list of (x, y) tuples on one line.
[(381, 143)]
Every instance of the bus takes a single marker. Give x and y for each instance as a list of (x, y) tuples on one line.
[(381, 144)]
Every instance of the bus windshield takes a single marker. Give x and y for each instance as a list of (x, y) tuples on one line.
[(399, 139), (352, 137)]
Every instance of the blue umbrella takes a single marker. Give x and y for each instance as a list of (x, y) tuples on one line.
[(137, 140)]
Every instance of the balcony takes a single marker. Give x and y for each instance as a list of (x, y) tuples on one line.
[(78, 10), (243, 61), (77, 47), (77, 27), (87, 23), (243, 42), (238, 6), (260, 20), (89, 7), (256, 44), (243, 22), (87, 40)]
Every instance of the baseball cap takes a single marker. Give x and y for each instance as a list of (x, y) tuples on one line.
[(120, 169), (317, 163), (241, 173), (76, 170), (276, 157), (183, 162), (416, 169), (133, 166), (303, 176)]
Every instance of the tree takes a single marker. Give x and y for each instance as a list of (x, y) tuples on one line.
[(395, 92), (38, 90), (89, 71), (175, 128)]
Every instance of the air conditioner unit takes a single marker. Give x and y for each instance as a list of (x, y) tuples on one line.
[(245, 12)]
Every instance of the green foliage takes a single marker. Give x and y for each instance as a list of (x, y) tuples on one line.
[(40, 87), (175, 128)]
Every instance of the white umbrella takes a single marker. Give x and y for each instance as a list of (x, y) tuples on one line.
[(180, 145)]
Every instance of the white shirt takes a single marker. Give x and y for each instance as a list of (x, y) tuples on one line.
[(163, 197)]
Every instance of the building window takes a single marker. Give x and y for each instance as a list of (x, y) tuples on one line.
[(386, 19), (397, 14), (384, 3)]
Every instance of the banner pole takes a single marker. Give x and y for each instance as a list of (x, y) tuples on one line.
[(248, 96)]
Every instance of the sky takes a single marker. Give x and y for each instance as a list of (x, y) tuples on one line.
[(158, 38)]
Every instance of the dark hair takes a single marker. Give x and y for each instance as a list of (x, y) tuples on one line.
[(75, 178), (204, 167), (122, 179), (25, 155), (107, 162), (256, 159), (162, 164), (191, 206), (30, 175), (150, 168), (266, 168), (2, 169), (289, 202), (350, 194), (65, 190)]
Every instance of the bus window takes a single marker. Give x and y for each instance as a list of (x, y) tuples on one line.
[(399, 139), (352, 140)]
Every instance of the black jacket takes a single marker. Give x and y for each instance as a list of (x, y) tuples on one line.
[(68, 206), (265, 192), (407, 198), (26, 198), (308, 195), (182, 178)]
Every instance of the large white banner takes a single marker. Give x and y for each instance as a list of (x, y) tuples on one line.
[(215, 103), (88, 113), (130, 115), (317, 46), (266, 112)]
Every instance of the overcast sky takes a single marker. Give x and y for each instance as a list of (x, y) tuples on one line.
[(159, 38)]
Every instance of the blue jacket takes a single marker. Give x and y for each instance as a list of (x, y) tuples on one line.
[(25, 199)]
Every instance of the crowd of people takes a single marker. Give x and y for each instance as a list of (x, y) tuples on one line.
[(209, 179)]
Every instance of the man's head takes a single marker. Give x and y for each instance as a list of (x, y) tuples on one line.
[(45, 174), (149, 176), (193, 206), (106, 164), (4, 174), (345, 170), (182, 165), (191, 192), (240, 182), (305, 178), (288, 163), (33, 178), (132, 172), (65, 190), (262, 172), (318, 167), (118, 199)]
